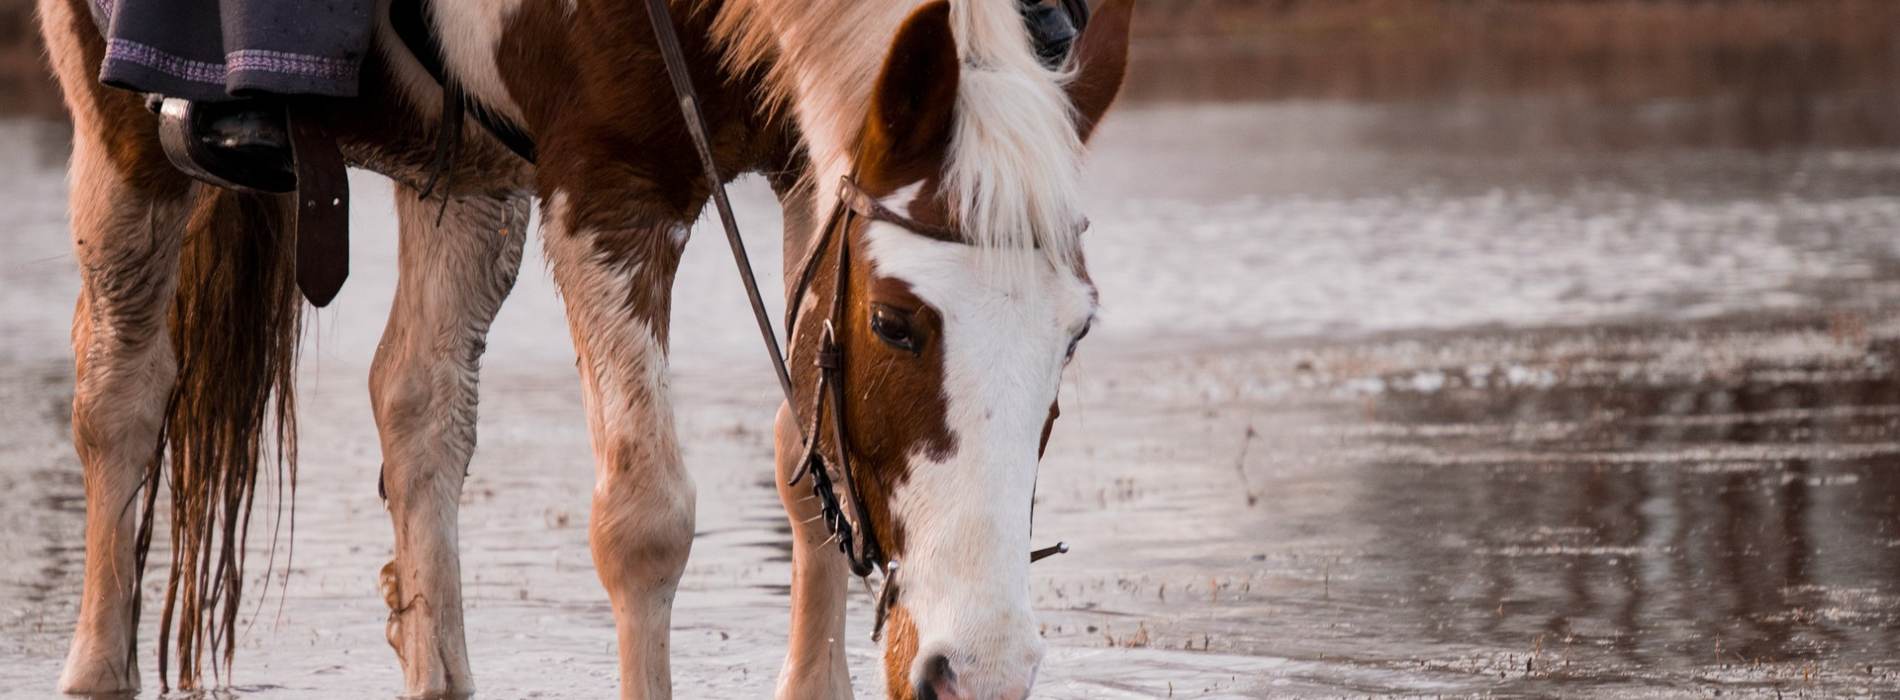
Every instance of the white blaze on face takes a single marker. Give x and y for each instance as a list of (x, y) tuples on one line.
[(1008, 320)]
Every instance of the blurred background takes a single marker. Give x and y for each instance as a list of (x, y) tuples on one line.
[(1536, 347)]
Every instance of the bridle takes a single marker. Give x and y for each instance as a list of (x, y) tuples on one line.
[(856, 536), (859, 543)]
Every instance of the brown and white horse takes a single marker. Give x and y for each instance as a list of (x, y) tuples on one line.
[(955, 338)]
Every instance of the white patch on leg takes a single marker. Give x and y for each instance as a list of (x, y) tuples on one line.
[(594, 291), (454, 276), (1005, 338), (641, 525)]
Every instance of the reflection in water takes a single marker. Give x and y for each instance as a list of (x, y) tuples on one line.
[(1648, 558), (1630, 508), (1681, 561)]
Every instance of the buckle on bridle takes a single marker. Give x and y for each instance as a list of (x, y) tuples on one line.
[(830, 356)]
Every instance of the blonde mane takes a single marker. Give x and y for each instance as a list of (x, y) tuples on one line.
[(1013, 173)]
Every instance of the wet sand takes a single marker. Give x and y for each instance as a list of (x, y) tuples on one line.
[(1379, 408)]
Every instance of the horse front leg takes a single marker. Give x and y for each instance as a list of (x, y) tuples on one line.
[(454, 276), (814, 659), (616, 281)]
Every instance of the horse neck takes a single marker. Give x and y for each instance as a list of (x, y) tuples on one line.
[(820, 59)]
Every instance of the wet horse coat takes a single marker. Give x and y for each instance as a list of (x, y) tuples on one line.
[(946, 433)]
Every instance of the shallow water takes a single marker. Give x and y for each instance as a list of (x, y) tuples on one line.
[(1380, 407)]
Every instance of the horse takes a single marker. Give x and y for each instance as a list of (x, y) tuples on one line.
[(927, 163)]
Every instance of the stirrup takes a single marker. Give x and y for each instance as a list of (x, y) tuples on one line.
[(312, 167), (180, 131)]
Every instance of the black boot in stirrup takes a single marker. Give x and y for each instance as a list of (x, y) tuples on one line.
[(241, 144)]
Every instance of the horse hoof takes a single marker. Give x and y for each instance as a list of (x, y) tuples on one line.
[(96, 674)]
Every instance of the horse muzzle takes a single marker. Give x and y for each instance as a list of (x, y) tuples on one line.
[(936, 676)]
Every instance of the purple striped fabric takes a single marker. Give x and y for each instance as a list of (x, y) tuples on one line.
[(246, 60), (187, 69), (291, 63)]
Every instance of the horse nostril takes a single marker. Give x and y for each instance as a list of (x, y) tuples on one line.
[(939, 682)]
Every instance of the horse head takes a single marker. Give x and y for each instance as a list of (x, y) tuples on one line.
[(948, 332)]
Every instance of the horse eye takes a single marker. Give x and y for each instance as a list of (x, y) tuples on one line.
[(893, 327), (1078, 338)]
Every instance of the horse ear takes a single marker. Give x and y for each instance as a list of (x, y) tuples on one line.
[(914, 104), (1101, 63)]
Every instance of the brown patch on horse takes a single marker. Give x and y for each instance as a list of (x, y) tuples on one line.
[(1048, 427), (601, 109), (900, 651), (1101, 57), (912, 380), (385, 131), (930, 207), (538, 66), (895, 405), (906, 135)]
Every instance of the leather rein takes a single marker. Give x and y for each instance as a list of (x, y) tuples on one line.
[(856, 536)]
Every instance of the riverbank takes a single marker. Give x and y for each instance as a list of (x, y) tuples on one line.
[(1609, 50)]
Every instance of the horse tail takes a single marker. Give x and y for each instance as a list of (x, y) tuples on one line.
[(235, 323)]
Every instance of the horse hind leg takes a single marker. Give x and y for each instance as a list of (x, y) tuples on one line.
[(127, 246), (616, 283), (128, 211), (454, 276), (185, 328)]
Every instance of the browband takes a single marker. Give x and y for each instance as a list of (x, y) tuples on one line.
[(863, 204)]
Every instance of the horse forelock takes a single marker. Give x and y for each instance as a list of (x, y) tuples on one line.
[(1011, 176), (1013, 172)]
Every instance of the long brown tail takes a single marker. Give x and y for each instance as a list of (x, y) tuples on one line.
[(235, 324)]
